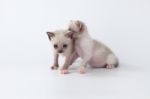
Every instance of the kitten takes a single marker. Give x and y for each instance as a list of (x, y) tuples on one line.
[(91, 51), (63, 44)]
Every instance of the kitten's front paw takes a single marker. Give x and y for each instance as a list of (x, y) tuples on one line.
[(82, 70), (64, 71), (54, 67)]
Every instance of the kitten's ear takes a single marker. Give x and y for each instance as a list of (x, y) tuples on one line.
[(69, 34), (50, 35), (80, 25)]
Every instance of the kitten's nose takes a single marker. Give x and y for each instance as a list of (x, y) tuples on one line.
[(60, 51)]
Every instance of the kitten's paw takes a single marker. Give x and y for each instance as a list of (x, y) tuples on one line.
[(64, 71), (54, 67), (110, 66), (82, 70)]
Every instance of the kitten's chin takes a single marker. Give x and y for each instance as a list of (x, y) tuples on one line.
[(63, 53)]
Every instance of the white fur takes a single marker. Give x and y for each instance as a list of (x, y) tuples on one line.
[(61, 37), (91, 51)]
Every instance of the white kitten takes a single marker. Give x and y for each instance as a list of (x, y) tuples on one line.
[(63, 44), (91, 51)]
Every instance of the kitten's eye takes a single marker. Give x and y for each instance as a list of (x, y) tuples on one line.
[(55, 46), (65, 45)]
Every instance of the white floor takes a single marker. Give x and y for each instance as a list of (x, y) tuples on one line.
[(123, 25), (39, 82)]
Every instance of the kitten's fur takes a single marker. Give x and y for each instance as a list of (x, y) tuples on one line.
[(63, 44), (91, 51)]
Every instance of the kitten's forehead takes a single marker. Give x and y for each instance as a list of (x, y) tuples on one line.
[(60, 36)]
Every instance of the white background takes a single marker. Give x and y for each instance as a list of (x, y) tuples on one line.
[(26, 53)]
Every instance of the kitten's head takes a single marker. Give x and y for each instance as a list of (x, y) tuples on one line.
[(61, 40), (77, 26)]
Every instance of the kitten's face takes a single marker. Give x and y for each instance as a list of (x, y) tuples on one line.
[(61, 40), (74, 26), (77, 27)]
